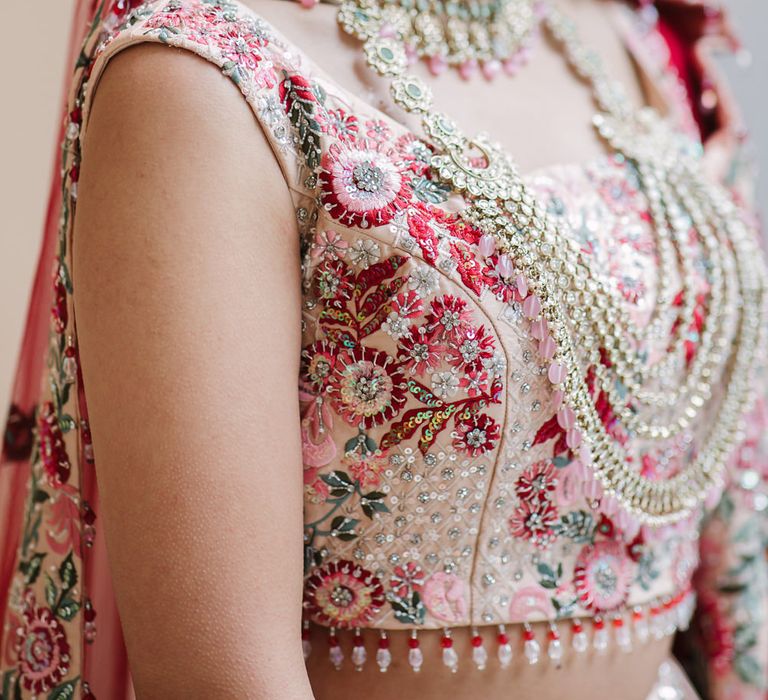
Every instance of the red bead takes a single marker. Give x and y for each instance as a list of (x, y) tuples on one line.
[(446, 642), (477, 641), (305, 634), (637, 615), (552, 634), (333, 640), (383, 642), (618, 622), (413, 643), (502, 638), (528, 634), (577, 628), (599, 624), (74, 173)]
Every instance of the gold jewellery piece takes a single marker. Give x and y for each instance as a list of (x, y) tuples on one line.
[(489, 35), (581, 308)]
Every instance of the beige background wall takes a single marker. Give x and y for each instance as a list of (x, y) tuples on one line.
[(35, 33), (31, 70)]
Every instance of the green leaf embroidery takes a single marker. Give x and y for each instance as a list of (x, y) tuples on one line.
[(67, 609), (407, 610), (430, 191), (40, 496), (7, 677), (66, 422), (65, 691), (341, 524), (31, 569), (340, 483), (300, 105), (68, 572), (51, 592), (579, 525)]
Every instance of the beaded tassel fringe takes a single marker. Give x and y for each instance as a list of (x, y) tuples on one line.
[(623, 629)]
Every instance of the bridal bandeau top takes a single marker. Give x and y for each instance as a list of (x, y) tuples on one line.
[(444, 487)]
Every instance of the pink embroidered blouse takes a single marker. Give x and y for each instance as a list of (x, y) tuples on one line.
[(443, 486)]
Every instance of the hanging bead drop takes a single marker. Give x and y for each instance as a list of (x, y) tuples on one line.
[(383, 654)]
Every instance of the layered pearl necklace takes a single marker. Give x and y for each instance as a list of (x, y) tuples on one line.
[(577, 315)]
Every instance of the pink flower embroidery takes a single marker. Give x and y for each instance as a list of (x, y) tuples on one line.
[(329, 244), (240, 44), (406, 579), (341, 124), (602, 575), (530, 600), (63, 531), (366, 469), (445, 597), (363, 184)]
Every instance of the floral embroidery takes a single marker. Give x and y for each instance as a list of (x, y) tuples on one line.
[(367, 388), (421, 416), (53, 453), (42, 647), (602, 575), (445, 597), (535, 521), (363, 184), (343, 594)]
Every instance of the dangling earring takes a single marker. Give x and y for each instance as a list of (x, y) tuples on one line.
[(489, 36)]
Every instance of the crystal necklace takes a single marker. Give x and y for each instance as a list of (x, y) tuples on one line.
[(578, 316), (487, 34)]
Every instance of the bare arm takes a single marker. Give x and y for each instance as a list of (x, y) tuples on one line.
[(187, 297)]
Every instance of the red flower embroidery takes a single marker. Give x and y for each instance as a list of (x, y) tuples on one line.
[(538, 482), (343, 594), (317, 364), (367, 388), (471, 348), (406, 579), (420, 353), (53, 452), (42, 648), (476, 435), (449, 318), (333, 280), (59, 313), (534, 521)]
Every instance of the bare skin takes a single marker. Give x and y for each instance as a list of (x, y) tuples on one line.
[(184, 257)]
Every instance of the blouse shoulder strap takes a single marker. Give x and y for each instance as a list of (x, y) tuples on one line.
[(267, 71)]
